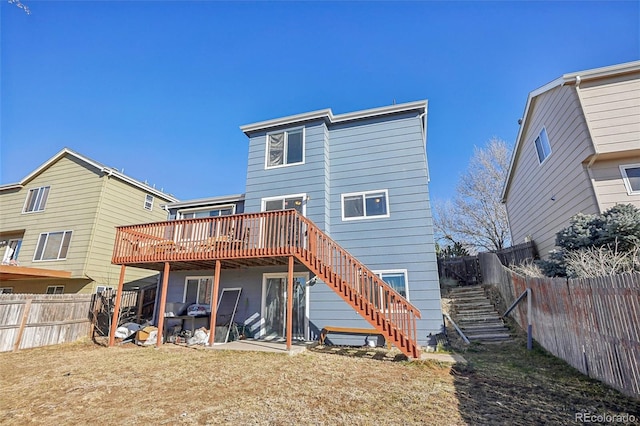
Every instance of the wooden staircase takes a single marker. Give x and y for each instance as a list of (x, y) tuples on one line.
[(267, 239), (377, 302)]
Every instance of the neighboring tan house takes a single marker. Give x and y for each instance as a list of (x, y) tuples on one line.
[(578, 150), (336, 213), (57, 226)]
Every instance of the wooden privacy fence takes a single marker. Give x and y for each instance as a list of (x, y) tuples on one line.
[(33, 320), (464, 269), (518, 254), (592, 324)]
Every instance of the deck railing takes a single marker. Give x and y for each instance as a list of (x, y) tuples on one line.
[(275, 234)]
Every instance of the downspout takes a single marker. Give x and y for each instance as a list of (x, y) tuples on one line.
[(596, 153)]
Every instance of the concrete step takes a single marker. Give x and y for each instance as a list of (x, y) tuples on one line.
[(489, 338)]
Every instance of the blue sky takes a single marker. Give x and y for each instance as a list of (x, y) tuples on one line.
[(160, 89)]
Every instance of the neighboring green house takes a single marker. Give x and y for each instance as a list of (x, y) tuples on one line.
[(57, 226)]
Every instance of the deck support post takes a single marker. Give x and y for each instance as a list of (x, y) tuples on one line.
[(116, 309), (290, 304), (214, 304), (163, 304)]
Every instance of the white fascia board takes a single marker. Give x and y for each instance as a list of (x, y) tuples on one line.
[(327, 114), (201, 202), (102, 168), (261, 125), (569, 78)]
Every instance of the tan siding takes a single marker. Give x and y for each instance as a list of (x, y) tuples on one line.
[(122, 204), (612, 107), (532, 212), (609, 184), (71, 206)]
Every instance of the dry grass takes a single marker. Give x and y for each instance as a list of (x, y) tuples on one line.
[(84, 383)]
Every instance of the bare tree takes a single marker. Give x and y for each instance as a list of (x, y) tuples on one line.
[(476, 218), (21, 5)]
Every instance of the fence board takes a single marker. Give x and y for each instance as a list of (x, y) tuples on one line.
[(592, 324)]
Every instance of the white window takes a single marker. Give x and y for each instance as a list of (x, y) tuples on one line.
[(12, 248), (361, 205), (6, 290), (36, 199), (284, 203), (197, 290), (218, 211), (397, 279), (52, 245), (631, 177), (102, 289), (148, 202), (285, 148), (55, 289), (542, 145)]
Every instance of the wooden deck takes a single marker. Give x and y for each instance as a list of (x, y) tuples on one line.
[(266, 239)]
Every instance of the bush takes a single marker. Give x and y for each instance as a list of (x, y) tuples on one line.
[(601, 244)]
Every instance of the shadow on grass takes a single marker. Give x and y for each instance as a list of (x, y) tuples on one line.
[(360, 352)]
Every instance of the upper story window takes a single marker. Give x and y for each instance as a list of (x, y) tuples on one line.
[(542, 145), (361, 205), (397, 279), (52, 245), (285, 148), (36, 199), (631, 177), (220, 211), (148, 202)]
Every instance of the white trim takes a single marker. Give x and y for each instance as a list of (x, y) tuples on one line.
[(54, 287), (570, 78), (263, 201), (199, 278), (364, 195), (285, 148), (546, 134), (205, 202), (405, 272), (180, 213), (263, 301), (104, 169), (45, 245), (625, 178), (327, 115)]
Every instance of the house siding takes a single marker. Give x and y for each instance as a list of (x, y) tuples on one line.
[(71, 206), (612, 107), (381, 153), (543, 187), (609, 184), (120, 204)]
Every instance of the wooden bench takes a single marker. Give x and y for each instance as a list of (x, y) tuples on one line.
[(350, 330)]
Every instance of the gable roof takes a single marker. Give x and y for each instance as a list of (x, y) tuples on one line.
[(329, 117), (574, 78), (104, 169)]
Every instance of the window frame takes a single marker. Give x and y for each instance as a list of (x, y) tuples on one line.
[(40, 202), (48, 234), (625, 178), (200, 279), (148, 202), (263, 202), (55, 289), (181, 213), (364, 195), (404, 272), (285, 148), (8, 258), (543, 137), (6, 290)]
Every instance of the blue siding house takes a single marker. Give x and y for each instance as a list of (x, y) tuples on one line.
[(358, 182)]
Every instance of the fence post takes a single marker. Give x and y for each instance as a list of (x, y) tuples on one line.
[(23, 323)]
